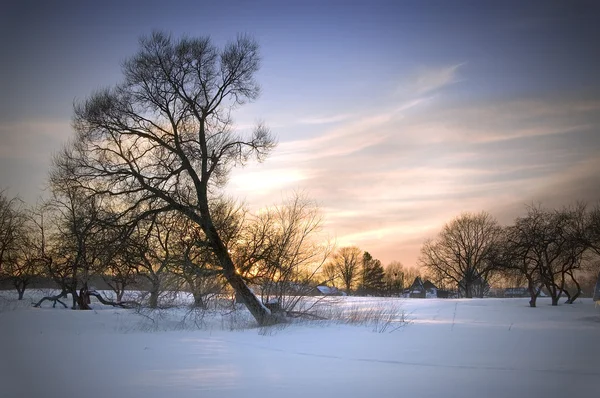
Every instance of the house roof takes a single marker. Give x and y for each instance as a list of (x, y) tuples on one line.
[(429, 285), (327, 290), (419, 284)]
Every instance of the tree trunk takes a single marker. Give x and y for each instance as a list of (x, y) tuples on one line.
[(120, 293), (532, 293), (468, 292), (153, 301), (574, 297), (568, 297), (198, 301), (54, 299), (114, 304), (533, 300), (75, 298), (84, 299), (20, 286), (262, 314)]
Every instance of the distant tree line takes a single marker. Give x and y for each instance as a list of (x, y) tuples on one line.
[(74, 238), (357, 272), (546, 249)]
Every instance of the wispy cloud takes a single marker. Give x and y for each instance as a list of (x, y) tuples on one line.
[(431, 79), (353, 136), (325, 119), (32, 139), (391, 178)]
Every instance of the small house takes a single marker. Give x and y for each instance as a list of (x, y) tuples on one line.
[(326, 291), (420, 289)]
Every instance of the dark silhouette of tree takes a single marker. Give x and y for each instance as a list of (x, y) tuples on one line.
[(21, 244), (281, 251), (547, 246), (461, 252), (346, 265), (372, 282), (164, 139), (593, 228), (11, 228), (396, 278), (517, 254), (81, 239)]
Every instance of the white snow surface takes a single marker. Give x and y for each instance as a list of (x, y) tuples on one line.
[(451, 348)]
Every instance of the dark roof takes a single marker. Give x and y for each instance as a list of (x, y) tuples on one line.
[(429, 285), (418, 283)]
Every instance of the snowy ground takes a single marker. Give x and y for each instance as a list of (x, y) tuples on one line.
[(452, 348)]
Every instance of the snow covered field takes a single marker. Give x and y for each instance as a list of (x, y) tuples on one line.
[(451, 348)]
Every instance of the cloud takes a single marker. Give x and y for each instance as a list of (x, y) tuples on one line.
[(32, 139), (432, 79), (353, 136), (266, 181), (325, 119), (390, 178)]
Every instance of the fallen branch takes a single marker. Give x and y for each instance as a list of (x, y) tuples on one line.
[(121, 304), (55, 299)]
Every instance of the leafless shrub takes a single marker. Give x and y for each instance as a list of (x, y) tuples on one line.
[(384, 317)]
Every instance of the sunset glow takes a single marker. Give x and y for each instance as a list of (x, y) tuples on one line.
[(393, 116)]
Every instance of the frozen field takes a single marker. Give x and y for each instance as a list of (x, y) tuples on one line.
[(451, 348)]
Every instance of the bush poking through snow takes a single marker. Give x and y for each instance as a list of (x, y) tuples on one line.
[(384, 317)]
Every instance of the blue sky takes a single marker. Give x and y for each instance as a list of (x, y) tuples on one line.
[(395, 116)]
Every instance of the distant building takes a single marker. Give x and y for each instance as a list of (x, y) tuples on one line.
[(420, 289), (327, 291)]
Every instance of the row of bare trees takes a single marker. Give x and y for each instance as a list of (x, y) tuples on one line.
[(74, 238), (357, 272), (22, 243), (546, 249)]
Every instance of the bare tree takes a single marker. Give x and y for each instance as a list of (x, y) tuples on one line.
[(21, 245), (547, 247), (282, 252), (194, 262), (593, 228), (461, 252), (11, 231), (394, 278), (120, 261), (346, 263), (153, 242), (518, 255), (79, 238), (165, 137)]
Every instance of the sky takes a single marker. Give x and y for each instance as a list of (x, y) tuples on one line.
[(395, 117)]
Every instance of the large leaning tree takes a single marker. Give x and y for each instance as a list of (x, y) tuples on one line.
[(164, 140), (463, 252)]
